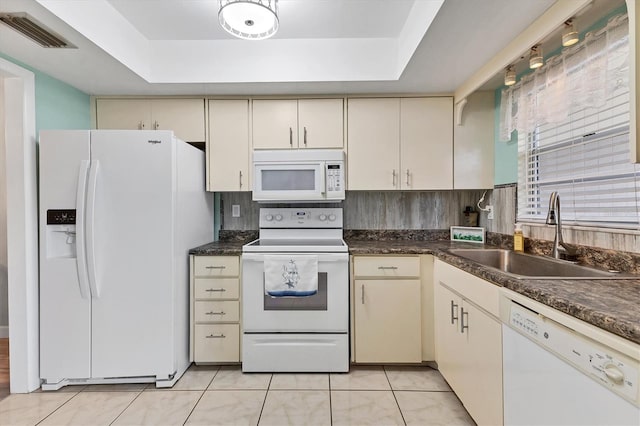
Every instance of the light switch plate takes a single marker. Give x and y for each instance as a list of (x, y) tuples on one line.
[(235, 210)]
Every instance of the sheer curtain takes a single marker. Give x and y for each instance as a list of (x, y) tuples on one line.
[(584, 75), (572, 118)]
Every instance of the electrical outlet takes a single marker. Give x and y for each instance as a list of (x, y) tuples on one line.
[(235, 210), (490, 214)]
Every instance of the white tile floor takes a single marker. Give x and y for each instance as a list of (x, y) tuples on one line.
[(225, 396)]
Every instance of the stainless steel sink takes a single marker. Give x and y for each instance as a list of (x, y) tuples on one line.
[(521, 265)]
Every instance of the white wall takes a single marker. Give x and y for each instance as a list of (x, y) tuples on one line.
[(4, 289)]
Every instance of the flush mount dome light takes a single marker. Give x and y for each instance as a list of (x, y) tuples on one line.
[(249, 19)]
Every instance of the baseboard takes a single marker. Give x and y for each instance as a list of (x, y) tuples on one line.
[(4, 331)]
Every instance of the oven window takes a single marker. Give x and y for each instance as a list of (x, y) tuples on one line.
[(317, 302), (289, 180)]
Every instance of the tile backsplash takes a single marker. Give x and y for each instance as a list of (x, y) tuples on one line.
[(396, 210), (433, 210)]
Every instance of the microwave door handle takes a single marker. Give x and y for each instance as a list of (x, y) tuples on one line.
[(323, 180)]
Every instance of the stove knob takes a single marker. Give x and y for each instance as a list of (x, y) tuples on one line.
[(332, 217), (269, 217), (323, 217), (278, 217)]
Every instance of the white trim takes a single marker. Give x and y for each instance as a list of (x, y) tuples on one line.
[(22, 226)]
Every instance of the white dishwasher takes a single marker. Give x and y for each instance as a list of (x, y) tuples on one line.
[(555, 375)]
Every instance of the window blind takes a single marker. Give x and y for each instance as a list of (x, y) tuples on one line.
[(582, 149)]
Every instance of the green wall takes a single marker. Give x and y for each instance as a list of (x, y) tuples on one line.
[(505, 152), (58, 105)]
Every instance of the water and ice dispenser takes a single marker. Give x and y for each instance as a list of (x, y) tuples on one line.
[(61, 233)]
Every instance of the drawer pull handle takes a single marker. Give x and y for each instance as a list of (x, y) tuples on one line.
[(393, 268), (454, 307), (215, 267), (215, 313), (216, 289), (215, 336), (462, 324)]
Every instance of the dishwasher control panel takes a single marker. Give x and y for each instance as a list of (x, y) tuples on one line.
[(614, 370)]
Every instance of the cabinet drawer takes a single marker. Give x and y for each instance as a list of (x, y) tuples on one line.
[(214, 311), (217, 343), (386, 266), (216, 266), (217, 288)]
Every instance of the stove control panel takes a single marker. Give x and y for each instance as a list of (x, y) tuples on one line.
[(303, 217)]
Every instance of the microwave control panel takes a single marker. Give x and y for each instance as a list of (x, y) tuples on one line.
[(335, 177)]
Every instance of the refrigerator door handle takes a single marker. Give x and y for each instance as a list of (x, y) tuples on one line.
[(81, 255), (90, 228)]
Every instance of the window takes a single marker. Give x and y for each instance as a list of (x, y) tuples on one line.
[(572, 118)]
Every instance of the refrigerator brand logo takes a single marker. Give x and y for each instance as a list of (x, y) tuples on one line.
[(154, 142)]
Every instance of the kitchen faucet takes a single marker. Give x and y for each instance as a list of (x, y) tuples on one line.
[(561, 250)]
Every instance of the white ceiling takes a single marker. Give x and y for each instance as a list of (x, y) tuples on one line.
[(323, 46)]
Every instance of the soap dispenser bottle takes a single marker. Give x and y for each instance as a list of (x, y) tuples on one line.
[(518, 239)]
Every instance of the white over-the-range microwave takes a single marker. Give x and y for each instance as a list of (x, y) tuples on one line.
[(298, 175)]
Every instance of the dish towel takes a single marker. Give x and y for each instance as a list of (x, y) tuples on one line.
[(290, 276)]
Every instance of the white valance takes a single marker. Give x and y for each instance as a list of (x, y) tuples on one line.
[(582, 76)]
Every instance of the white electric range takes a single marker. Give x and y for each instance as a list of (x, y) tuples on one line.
[(297, 333)]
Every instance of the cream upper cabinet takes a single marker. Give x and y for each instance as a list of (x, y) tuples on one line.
[(387, 309), (228, 146), (275, 124), (321, 123), (468, 340), (303, 123), (373, 153), (403, 144), (426, 143), (473, 143), (186, 117), (125, 114)]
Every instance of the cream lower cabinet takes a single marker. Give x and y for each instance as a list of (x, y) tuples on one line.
[(186, 117), (215, 309), (387, 309), (468, 341), (228, 152)]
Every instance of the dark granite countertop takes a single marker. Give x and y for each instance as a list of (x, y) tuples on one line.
[(612, 305)]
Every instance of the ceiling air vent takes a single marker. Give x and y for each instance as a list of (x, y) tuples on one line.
[(29, 27)]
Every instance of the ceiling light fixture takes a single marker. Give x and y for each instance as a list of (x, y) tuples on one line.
[(249, 19), (535, 57), (569, 35), (509, 76)]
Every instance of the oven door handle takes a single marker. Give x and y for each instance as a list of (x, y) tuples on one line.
[(322, 257)]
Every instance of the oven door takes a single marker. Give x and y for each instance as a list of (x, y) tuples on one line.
[(289, 181), (325, 312)]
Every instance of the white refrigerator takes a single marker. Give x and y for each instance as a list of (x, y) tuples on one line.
[(118, 212)]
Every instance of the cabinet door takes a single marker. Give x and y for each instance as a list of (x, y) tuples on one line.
[(123, 114), (184, 116), (474, 144), (320, 123), (387, 321), (275, 124), (373, 144), (481, 391), (228, 149), (426, 143), (448, 341)]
